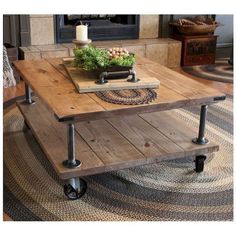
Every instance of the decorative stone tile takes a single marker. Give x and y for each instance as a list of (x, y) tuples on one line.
[(51, 47), (32, 55), (29, 49), (133, 42), (42, 30), (174, 54), (40, 16), (70, 47), (71, 52), (165, 51), (158, 53), (107, 44), (29, 53), (137, 49), (54, 50), (61, 53), (149, 26)]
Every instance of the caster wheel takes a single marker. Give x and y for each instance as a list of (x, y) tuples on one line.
[(74, 194), (199, 163)]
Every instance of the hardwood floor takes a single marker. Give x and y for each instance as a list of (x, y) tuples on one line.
[(12, 92)]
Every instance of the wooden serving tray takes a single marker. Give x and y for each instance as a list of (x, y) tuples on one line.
[(85, 81)]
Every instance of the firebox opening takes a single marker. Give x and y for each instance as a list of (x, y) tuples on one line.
[(100, 27)]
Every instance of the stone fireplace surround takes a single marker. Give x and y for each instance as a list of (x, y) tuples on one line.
[(101, 27), (165, 51)]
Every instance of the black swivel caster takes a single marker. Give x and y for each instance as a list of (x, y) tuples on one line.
[(199, 163), (74, 194)]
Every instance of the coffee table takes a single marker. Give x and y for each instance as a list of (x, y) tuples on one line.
[(82, 135)]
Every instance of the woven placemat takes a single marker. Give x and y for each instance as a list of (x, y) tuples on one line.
[(128, 96)]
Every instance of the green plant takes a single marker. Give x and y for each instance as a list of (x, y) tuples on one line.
[(127, 60), (91, 58)]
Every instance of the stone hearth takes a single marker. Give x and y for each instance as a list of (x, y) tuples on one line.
[(162, 50)]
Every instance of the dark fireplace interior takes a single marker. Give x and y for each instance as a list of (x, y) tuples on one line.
[(100, 27)]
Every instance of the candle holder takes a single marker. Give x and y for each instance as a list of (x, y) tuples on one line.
[(80, 43)]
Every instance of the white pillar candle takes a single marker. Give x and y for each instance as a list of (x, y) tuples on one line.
[(82, 32)]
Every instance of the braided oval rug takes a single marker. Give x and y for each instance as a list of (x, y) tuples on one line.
[(220, 71), (167, 191)]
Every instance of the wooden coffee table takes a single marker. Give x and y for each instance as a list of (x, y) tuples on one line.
[(83, 135)]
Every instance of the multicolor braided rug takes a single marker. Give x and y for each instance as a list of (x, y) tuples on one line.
[(220, 71), (128, 96), (168, 191)]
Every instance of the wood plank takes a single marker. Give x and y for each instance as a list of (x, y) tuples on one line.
[(179, 133), (49, 81), (56, 90), (151, 142), (111, 147), (58, 64), (167, 98), (14, 91), (101, 147), (52, 137), (85, 81), (181, 84), (67, 103)]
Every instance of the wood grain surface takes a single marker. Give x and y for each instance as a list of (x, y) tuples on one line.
[(49, 81), (85, 81), (113, 144)]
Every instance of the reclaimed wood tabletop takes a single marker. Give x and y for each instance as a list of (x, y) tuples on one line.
[(50, 81)]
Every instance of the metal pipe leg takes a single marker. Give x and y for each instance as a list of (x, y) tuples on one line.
[(71, 162), (201, 133), (28, 97)]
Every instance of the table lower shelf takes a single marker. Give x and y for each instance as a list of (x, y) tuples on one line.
[(113, 144)]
